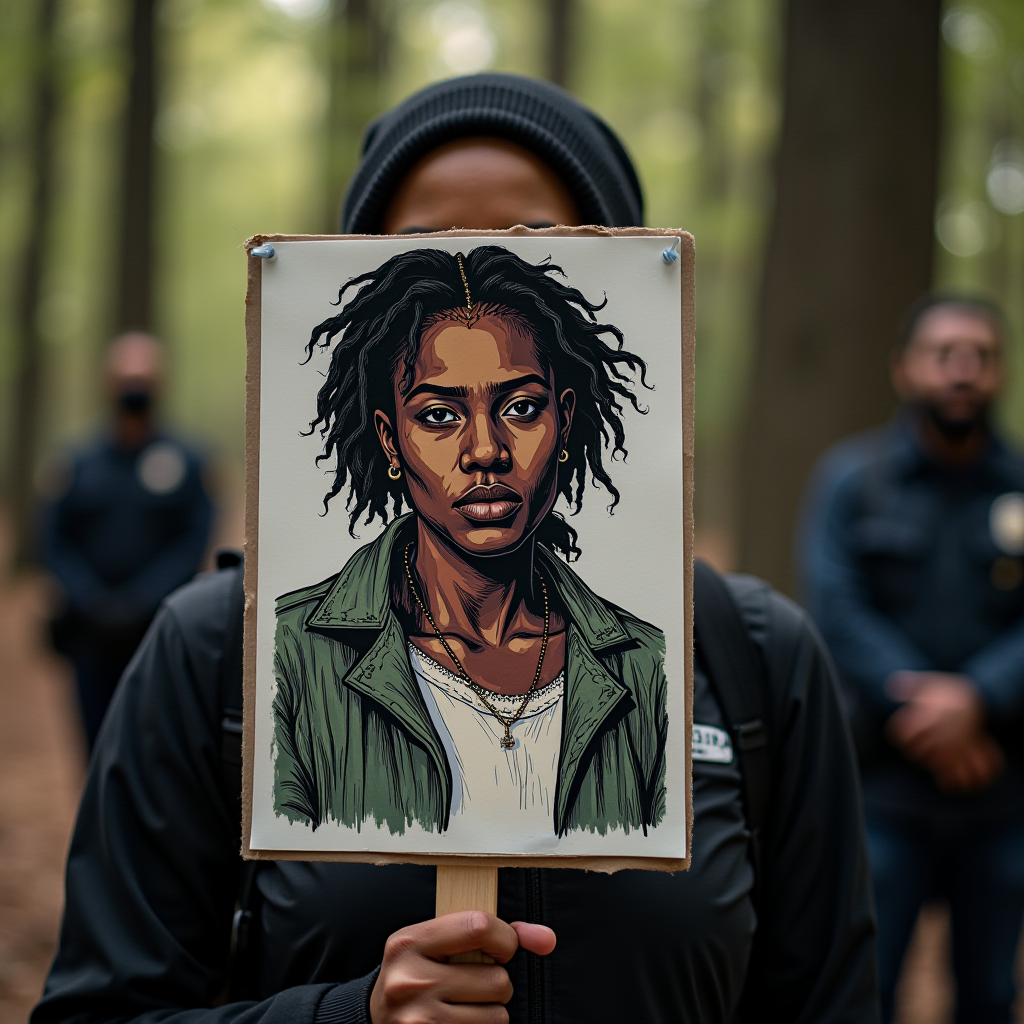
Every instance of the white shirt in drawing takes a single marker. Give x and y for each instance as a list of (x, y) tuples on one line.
[(506, 794)]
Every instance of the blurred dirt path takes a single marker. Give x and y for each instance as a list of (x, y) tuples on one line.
[(926, 991), (41, 766)]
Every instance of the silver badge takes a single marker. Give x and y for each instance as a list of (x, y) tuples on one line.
[(1006, 523), (162, 468)]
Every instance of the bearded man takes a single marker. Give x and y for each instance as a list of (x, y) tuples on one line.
[(913, 563)]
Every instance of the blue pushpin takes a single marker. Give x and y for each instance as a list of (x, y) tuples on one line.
[(263, 251), (669, 255)]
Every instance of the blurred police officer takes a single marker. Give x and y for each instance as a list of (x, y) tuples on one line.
[(129, 523), (913, 560)]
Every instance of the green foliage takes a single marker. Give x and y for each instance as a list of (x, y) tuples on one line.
[(980, 213), (692, 85), (242, 150)]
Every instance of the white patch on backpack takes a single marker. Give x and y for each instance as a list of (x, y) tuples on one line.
[(711, 744)]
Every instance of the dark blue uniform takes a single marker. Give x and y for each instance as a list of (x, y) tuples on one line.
[(912, 565), (129, 527)]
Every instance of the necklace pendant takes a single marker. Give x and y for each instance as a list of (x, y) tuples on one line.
[(507, 741)]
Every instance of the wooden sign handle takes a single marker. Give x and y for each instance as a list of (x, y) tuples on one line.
[(466, 888)]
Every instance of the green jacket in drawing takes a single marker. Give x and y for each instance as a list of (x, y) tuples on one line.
[(354, 741)]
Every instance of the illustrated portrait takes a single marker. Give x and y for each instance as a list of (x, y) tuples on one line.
[(454, 679)]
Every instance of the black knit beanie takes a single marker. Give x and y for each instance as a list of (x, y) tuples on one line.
[(542, 118)]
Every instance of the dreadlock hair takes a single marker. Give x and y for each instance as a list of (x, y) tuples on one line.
[(379, 331)]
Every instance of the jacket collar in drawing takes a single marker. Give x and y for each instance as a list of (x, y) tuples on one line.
[(360, 597)]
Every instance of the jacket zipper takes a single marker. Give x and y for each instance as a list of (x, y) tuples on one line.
[(534, 963)]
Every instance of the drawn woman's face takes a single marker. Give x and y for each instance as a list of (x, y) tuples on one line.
[(478, 435)]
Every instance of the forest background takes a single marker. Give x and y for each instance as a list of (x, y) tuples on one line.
[(832, 161)]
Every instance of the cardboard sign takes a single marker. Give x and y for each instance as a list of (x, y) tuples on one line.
[(468, 625)]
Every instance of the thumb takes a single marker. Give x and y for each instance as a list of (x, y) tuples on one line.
[(537, 938)]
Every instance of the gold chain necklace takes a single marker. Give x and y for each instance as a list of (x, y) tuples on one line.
[(507, 741)]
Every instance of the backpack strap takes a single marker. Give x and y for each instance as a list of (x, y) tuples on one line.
[(229, 688), (740, 684)]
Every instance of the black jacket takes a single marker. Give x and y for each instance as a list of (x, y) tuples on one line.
[(153, 873)]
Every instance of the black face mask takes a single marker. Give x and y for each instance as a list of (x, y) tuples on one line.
[(135, 401)]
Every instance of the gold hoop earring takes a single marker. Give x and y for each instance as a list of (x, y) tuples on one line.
[(395, 472), (564, 457)]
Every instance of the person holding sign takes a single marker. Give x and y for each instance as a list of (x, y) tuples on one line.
[(769, 923)]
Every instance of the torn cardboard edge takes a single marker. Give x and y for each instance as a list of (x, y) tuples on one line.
[(253, 338)]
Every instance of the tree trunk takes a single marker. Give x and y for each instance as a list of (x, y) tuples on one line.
[(359, 44), (850, 247), (560, 16), (27, 397), (135, 271)]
